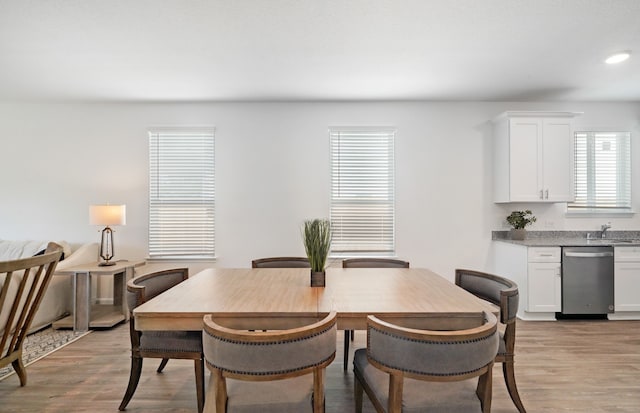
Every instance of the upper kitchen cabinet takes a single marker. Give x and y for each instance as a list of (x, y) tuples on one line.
[(533, 157)]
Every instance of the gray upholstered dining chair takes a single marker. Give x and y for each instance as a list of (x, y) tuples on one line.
[(161, 344), (504, 293), (281, 262), (276, 371), (25, 282), (366, 263), (409, 370)]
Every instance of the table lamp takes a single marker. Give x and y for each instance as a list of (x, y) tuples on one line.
[(107, 215)]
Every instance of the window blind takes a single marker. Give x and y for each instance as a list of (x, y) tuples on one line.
[(362, 191), (181, 193), (602, 171)]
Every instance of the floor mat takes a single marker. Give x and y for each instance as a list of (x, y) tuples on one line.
[(41, 344)]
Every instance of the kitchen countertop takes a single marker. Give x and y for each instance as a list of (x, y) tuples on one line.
[(572, 238)]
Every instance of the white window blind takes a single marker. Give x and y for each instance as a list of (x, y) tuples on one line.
[(602, 172), (362, 191), (181, 193)]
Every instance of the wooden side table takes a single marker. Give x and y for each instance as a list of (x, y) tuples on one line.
[(85, 315)]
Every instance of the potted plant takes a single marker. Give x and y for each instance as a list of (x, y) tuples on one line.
[(316, 235), (519, 220)]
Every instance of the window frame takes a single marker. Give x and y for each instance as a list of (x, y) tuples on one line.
[(596, 210), (198, 203), (385, 245)]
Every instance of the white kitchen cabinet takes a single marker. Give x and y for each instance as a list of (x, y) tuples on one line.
[(627, 279), (533, 157), (544, 281), (537, 271)]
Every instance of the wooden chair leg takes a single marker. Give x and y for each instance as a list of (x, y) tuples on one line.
[(346, 349), (510, 381), (163, 363), (358, 392), (484, 390), (199, 368), (18, 366), (134, 378), (220, 392), (396, 384), (318, 390)]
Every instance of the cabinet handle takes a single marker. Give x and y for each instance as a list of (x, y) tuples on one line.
[(541, 197), (547, 194)]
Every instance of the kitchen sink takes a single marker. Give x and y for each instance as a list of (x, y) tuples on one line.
[(609, 241)]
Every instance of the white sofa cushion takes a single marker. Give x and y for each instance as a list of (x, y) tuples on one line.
[(13, 250)]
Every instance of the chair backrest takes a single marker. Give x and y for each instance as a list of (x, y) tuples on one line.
[(145, 287), (440, 356), (25, 283), (269, 355), (493, 288), (432, 355), (374, 263), (281, 262)]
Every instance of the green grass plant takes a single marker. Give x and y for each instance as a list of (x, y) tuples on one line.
[(316, 235)]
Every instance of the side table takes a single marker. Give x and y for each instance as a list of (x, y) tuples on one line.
[(85, 315)]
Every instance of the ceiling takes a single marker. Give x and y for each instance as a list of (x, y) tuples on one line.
[(219, 50)]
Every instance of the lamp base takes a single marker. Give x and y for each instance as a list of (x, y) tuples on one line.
[(106, 263)]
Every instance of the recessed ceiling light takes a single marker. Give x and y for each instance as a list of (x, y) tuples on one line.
[(617, 58)]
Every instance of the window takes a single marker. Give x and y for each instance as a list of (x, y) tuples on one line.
[(181, 193), (362, 191), (602, 172)]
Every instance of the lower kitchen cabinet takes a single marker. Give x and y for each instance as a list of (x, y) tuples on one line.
[(544, 280), (537, 271), (545, 287), (627, 282)]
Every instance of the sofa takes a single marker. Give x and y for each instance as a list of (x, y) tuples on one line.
[(58, 300)]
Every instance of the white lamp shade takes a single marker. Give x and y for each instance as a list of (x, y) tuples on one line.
[(107, 215)]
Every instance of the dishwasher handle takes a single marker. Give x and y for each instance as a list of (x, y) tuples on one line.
[(588, 254)]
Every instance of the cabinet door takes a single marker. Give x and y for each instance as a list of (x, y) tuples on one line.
[(627, 286), (557, 160), (525, 144), (544, 287)]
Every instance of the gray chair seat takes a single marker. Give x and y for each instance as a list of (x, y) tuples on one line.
[(446, 397), (171, 341)]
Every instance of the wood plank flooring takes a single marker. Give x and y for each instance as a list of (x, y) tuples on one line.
[(568, 366)]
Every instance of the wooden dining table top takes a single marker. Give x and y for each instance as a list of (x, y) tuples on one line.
[(272, 298)]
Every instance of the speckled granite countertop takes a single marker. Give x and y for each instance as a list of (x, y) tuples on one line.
[(571, 238)]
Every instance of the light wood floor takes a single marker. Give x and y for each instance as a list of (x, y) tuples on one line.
[(568, 366)]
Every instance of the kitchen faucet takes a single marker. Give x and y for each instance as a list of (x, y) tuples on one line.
[(603, 229)]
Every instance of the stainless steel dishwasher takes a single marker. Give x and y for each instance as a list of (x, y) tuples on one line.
[(587, 280)]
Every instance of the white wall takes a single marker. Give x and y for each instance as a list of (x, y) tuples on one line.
[(272, 172)]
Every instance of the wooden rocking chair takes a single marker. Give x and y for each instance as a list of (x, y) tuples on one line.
[(25, 282)]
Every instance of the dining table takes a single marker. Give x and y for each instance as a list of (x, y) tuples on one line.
[(281, 298)]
